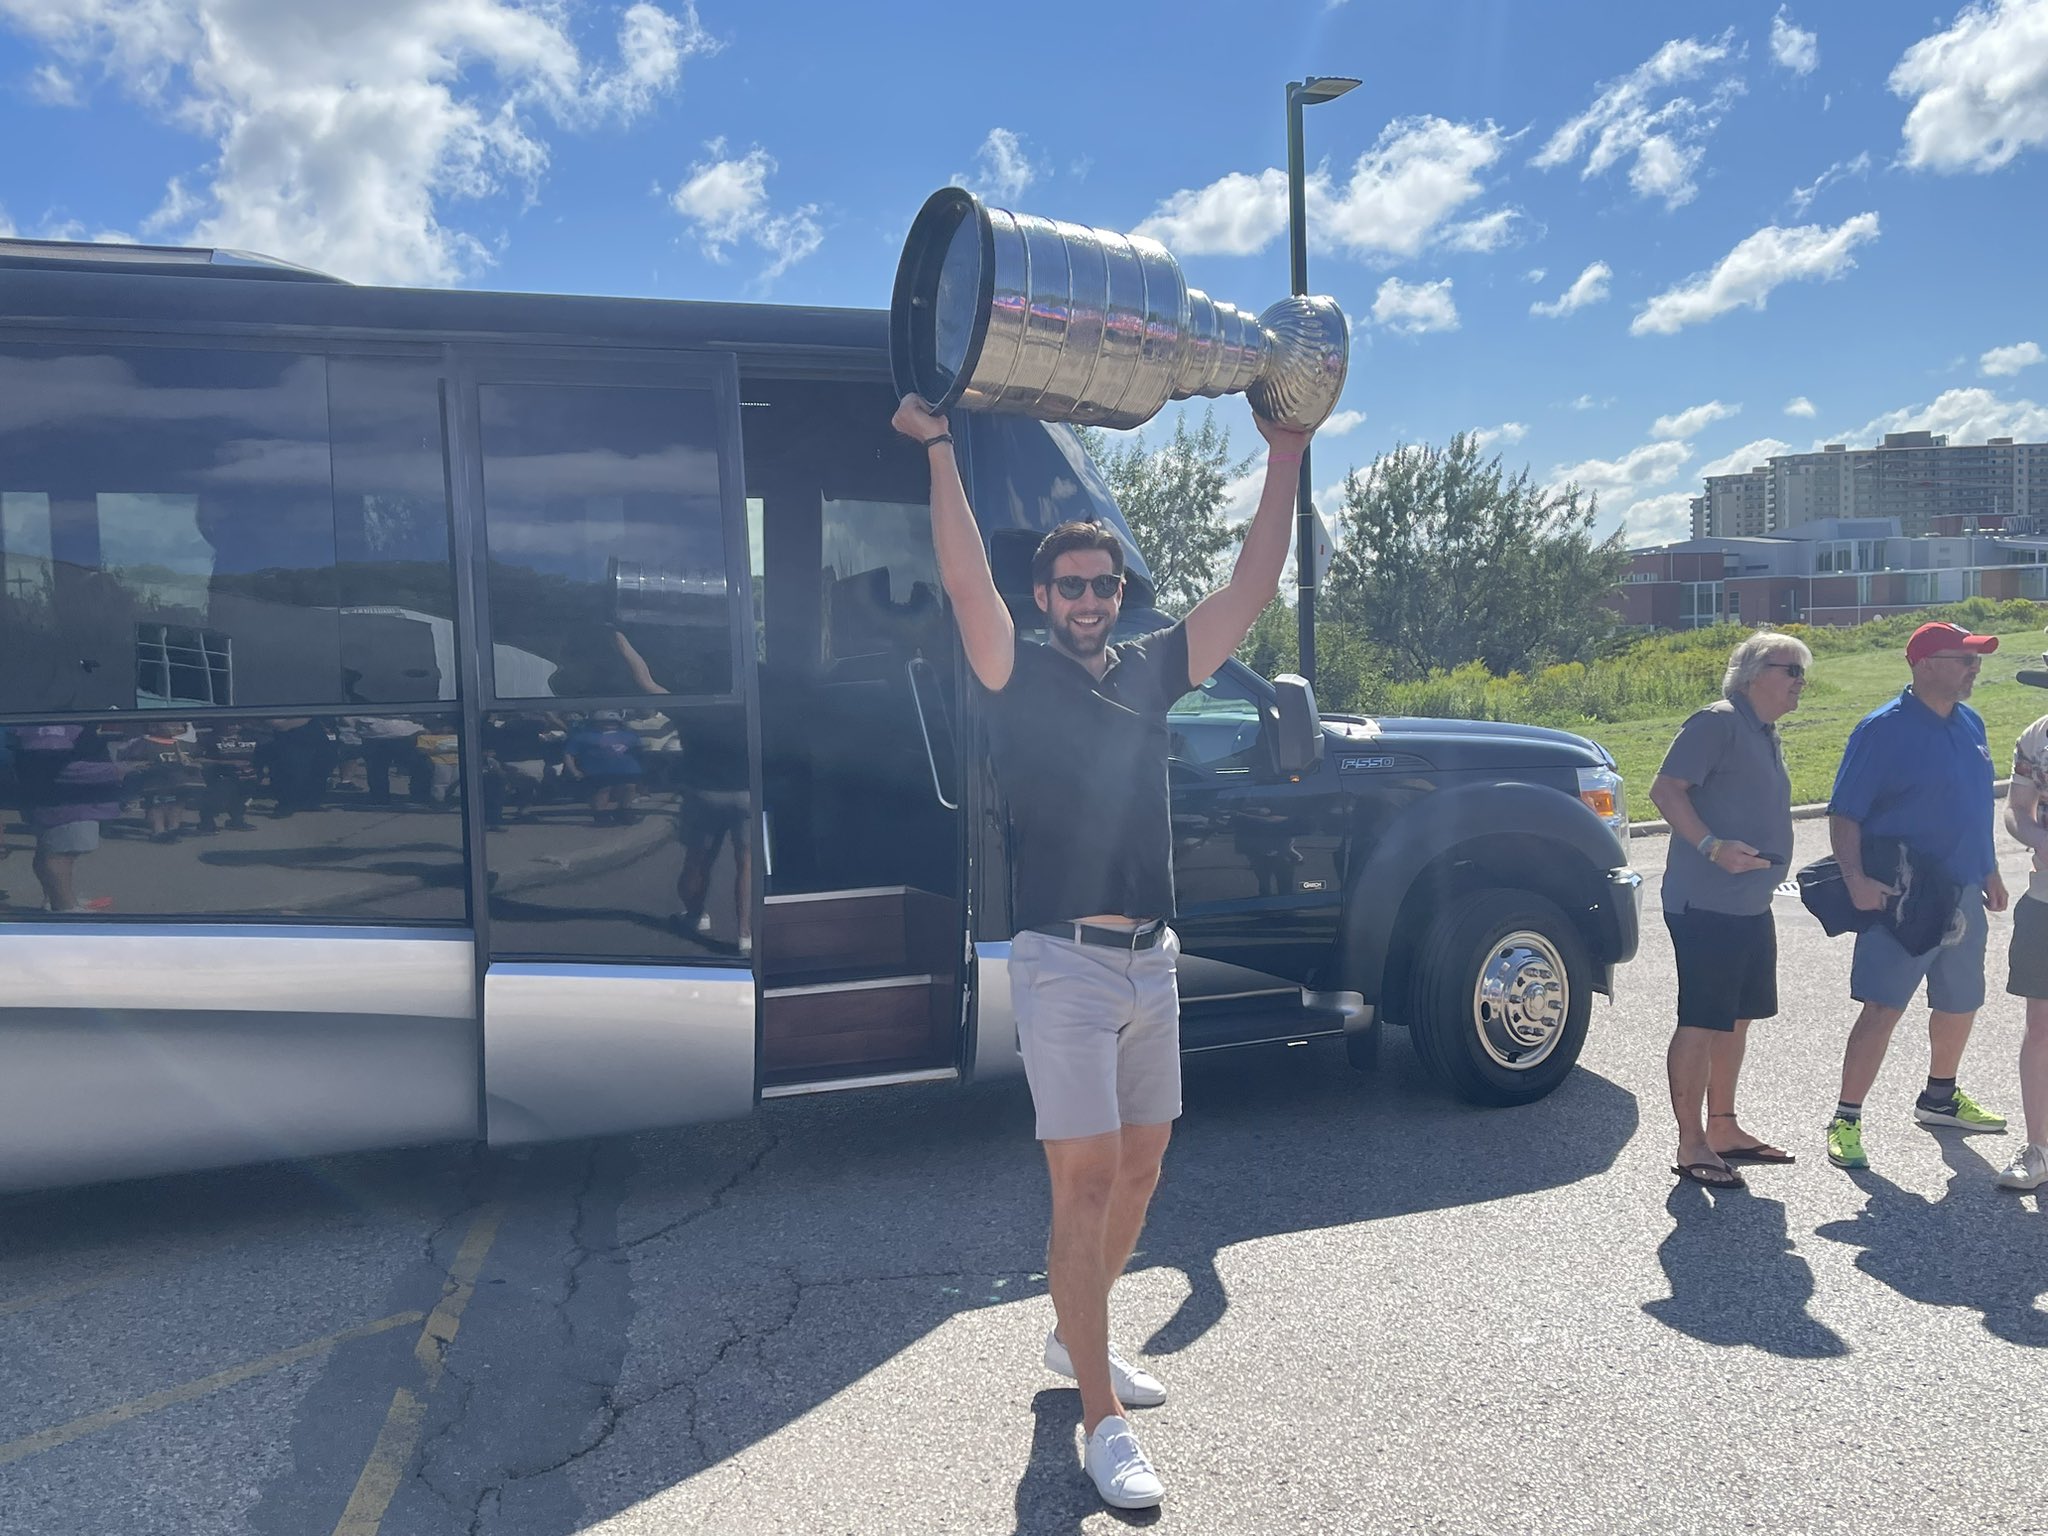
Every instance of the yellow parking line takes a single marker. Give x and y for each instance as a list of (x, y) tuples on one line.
[(15, 1450), (399, 1438)]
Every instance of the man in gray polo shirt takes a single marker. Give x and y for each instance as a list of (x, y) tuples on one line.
[(1724, 789)]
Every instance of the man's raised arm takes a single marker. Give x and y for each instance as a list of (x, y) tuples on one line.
[(1223, 618), (986, 633)]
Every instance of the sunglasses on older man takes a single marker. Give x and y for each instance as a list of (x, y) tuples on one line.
[(1071, 587), (1792, 669)]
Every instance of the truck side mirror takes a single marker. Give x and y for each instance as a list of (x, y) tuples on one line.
[(1298, 743)]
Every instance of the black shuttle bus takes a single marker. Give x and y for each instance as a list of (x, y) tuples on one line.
[(443, 715)]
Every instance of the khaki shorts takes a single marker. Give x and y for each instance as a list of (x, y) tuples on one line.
[(1099, 1030)]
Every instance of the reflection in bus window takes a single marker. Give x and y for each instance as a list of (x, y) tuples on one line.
[(193, 528), (344, 819), (619, 833), (603, 518)]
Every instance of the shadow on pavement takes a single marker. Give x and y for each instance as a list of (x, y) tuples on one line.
[(694, 1293), (1975, 1247), (1734, 1277)]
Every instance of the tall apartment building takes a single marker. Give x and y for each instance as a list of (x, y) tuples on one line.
[(1735, 506), (1912, 477)]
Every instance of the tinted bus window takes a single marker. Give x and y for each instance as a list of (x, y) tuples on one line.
[(178, 529), (603, 520), (619, 834), (283, 816)]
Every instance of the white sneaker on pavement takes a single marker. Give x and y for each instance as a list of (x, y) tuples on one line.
[(1122, 1475), (2027, 1170), (1135, 1387)]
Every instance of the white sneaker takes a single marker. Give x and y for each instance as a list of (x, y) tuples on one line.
[(1122, 1475), (1135, 1388), (2027, 1170)]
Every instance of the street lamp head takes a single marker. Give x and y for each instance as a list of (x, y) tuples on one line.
[(1324, 88)]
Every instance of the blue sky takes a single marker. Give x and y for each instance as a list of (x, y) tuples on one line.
[(1634, 243)]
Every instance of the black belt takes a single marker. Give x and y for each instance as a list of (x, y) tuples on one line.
[(1145, 937)]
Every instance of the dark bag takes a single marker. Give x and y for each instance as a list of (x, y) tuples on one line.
[(1918, 916), (1826, 895)]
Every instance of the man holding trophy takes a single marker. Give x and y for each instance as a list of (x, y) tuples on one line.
[(1078, 732)]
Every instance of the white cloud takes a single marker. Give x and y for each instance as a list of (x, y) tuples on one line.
[(1592, 403), (1409, 309), (343, 133), (1841, 170), (1979, 89), (1666, 139), (1651, 464), (1536, 274), (1508, 432), (1002, 170), (1489, 232), (1236, 215), (727, 202), (6, 226), (1399, 197), (1796, 50), (1748, 273), (1589, 287), (1341, 422), (2002, 362), (1799, 405), (1747, 457), (1965, 415), (1688, 422), (1661, 519), (54, 88)]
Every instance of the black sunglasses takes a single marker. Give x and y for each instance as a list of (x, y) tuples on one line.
[(1071, 587), (1792, 668)]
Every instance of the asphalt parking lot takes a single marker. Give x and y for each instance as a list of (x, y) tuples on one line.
[(1377, 1310)]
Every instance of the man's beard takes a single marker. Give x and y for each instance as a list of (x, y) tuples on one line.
[(1078, 643)]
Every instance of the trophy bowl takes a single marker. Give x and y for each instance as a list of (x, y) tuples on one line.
[(1002, 311)]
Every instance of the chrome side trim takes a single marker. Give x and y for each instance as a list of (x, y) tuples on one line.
[(848, 895), (995, 1022), (594, 1050), (882, 1080), (238, 968), (112, 1093), (877, 984)]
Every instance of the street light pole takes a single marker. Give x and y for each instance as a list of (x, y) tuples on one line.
[(1302, 93)]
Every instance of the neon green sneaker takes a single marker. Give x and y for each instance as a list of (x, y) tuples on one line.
[(1845, 1143), (1962, 1111)]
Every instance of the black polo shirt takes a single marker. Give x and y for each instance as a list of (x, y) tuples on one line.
[(1082, 763)]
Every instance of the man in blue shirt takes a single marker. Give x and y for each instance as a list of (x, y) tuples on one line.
[(1919, 770)]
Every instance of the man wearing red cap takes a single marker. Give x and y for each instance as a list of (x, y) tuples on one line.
[(1919, 770)]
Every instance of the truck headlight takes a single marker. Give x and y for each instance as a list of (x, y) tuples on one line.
[(1607, 797)]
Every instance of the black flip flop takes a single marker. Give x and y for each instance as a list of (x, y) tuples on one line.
[(1758, 1152), (1712, 1175)]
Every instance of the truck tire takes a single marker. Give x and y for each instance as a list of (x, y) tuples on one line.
[(1502, 990)]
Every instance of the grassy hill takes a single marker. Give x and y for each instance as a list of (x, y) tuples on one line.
[(1633, 703)]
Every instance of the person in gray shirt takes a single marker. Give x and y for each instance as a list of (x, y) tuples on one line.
[(1724, 790)]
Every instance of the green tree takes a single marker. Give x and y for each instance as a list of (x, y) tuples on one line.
[(1445, 559), (1172, 498)]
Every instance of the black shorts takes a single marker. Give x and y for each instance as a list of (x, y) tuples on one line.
[(1727, 967), (2026, 962)]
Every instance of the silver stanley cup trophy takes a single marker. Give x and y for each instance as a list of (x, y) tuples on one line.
[(1001, 311)]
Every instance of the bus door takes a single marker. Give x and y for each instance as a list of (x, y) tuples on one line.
[(863, 916), (614, 792)]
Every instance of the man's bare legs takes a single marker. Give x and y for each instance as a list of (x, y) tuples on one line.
[(1688, 1064), (1724, 1131), (1101, 1187), (1947, 1034), (2034, 1072), (1869, 1038)]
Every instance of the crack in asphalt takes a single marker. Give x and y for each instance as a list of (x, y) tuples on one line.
[(712, 1202)]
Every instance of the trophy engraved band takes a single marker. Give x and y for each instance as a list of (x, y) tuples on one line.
[(1002, 311)]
